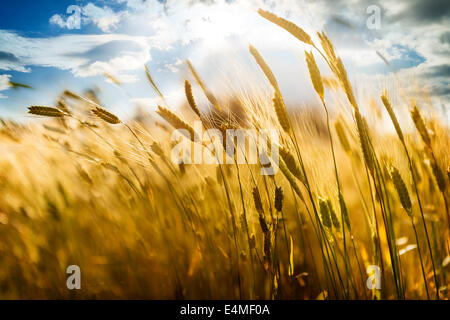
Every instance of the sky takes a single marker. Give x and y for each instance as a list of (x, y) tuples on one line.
[(54, 45)]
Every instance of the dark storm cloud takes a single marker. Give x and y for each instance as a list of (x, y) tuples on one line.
[(414, 11), (445, 37), (441, 91), (7, 56), (430, 11), (442, 70), (424, 12)]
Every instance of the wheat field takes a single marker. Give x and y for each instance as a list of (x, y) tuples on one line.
[(80, 186)]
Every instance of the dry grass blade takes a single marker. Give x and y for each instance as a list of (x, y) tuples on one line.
[(290, 27), (402, 191), (106, 115), (45, 111)]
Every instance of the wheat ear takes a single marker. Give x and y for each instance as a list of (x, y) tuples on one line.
[(325, 213), (290, 27), (106, 115), (153, 84), (402, 191), (175, 121), (190, 98), (280, 110), (45, 111), (388, 106), (314, 73), (264, 67)]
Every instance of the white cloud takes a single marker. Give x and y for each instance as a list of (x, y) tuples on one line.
[(175, 66), (70, 23), (83, 55), (206, 31), (4, 83), (103, 17)]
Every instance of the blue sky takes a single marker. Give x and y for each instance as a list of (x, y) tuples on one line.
[(41, 46)]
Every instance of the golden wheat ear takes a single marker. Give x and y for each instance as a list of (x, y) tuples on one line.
[(209, 95), (419, 123), (190, 98), (325, 213), (290, 27), (153, 84), (281, 112), (402, 190), (45, 111), (278, 202), (176, 121), (314, 74), (264, 67), (387, 104), (106, 115)]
